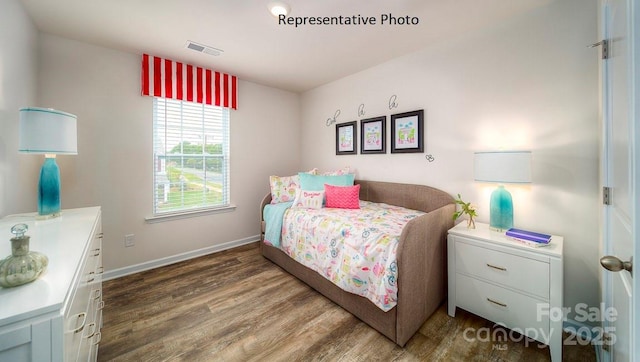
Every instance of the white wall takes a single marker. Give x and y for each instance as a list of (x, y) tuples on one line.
[(528, 84), (18, 72), (113, 167)]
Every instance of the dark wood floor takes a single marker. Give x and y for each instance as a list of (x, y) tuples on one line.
[(237, 306)]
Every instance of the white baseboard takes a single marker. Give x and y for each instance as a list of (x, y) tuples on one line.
[(117, 273)]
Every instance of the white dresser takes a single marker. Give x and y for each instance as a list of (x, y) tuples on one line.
[(508, 283), (58, 316)]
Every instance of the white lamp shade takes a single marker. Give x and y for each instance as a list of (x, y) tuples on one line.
[(503, 166), (45, 130)]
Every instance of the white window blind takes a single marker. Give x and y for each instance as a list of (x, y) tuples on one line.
[(190, 156)]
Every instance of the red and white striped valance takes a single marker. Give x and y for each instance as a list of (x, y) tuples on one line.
[(168, 79)]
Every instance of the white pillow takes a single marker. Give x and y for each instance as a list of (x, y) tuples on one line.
[(308, 199)]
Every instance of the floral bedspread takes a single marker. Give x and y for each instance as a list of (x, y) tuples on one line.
[(355, 249)]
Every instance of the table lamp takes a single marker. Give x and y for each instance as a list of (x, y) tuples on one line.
[(49, 132), (502, 167)]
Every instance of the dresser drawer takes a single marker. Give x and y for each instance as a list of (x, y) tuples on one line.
[(80, 325), (513, 310), (91, 333), (528, 275), (76, 318)]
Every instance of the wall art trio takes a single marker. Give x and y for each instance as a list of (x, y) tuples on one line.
[(407, 134)]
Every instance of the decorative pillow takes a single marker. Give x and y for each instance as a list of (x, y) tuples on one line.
[(283, 189), (343, 197), (310, 182), (342, 171), (309, 199)]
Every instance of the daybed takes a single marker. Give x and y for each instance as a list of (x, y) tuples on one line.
[(421, 260)]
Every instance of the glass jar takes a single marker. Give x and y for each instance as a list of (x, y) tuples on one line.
[(22, 266)]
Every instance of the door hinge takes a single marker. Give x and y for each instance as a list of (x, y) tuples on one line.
[(606, 195), (605, 47)]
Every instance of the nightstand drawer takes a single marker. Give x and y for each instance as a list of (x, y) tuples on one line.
[(514, 310), (528, 275)]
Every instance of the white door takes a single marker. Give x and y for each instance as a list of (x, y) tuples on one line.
[(620, 174)]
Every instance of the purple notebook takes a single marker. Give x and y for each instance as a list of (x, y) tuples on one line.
[(529, 236)]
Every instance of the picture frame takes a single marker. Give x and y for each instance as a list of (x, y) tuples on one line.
[(346, 138), (407, 132), (373, 135)]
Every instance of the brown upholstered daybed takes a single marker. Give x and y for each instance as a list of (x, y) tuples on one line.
[(421, 260)]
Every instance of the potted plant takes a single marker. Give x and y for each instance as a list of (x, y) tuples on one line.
[(465, 208)]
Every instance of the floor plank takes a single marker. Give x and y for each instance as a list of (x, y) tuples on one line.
[(238, 306)]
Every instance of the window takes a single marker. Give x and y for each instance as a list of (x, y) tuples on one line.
[(190, 156)]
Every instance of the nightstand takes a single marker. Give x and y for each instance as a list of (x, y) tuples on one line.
[(507, 282)]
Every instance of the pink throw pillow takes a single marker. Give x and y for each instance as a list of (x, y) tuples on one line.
[(342, 197)]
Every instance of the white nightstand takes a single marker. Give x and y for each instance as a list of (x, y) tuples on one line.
[(507, 282)]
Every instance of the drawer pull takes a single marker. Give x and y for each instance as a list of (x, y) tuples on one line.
[(98, 338), (82, 316), (498, 303), (92, 327), (100, 270), (96, 252), (496, 267), (91, 277), (101, 305), (99, 236), (97, 293)]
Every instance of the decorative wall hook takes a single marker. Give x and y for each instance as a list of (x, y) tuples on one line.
[(333, 120), (393, 102), (361, 111), (430, 158)]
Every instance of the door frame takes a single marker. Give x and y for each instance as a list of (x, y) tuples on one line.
[(634, 24), (634, 119)]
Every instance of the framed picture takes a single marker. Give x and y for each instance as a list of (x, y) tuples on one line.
[(373, 132), (346, 138), (407, 132)]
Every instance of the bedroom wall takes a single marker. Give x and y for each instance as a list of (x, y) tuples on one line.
[(113, 167), (18, 76), (528, 84)]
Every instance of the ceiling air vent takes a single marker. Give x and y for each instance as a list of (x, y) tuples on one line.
[(203, 48)]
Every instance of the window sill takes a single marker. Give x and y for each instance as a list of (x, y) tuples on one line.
[(188, 214)]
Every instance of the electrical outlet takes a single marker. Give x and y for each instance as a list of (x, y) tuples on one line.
[(129, 240)]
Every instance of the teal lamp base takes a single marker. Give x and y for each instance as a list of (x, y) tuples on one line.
[(49, 189), (501, 210)]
